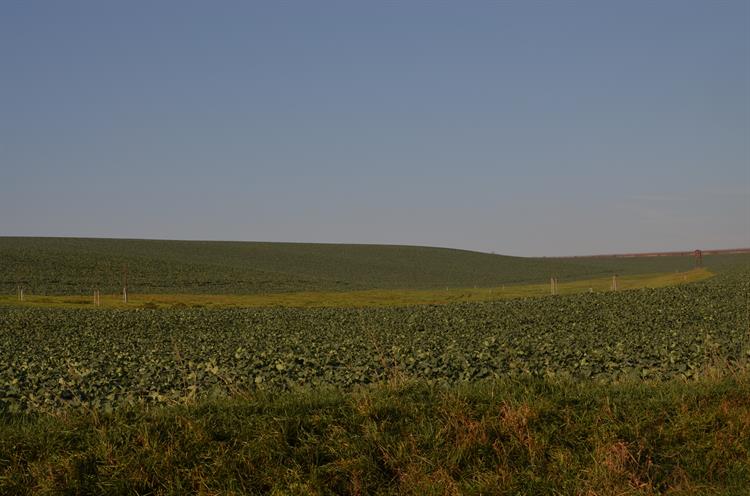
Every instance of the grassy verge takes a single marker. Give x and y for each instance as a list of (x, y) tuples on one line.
[(370, 298), (529, 436)]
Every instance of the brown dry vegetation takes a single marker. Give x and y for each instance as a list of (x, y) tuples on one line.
[(531, 436)]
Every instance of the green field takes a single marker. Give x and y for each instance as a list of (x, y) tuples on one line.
[(53, 357), (360, 298), (337, 380), (71, 266)]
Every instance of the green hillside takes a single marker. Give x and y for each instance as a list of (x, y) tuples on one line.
[(77, 265)]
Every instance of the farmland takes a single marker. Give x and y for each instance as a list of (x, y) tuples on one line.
[(74, 266), (379, 385), (361, 298), (53, 357)]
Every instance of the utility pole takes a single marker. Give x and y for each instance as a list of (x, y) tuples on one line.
[(698, 254), (614, 282), (125, 283)]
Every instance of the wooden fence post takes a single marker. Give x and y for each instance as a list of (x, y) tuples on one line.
[(125, 284)]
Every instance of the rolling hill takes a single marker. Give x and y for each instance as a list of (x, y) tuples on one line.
[(77, 265)]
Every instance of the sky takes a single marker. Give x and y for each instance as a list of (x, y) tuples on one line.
[(518, 127)]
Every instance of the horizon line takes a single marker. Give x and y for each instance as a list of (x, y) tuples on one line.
[(710, 251)]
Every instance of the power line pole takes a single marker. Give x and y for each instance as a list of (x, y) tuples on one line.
[(698, 254), (125, 283)]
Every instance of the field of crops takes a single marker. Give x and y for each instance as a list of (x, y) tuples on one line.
[(639, 391), (348, 299), (50, 358), (71, 266)]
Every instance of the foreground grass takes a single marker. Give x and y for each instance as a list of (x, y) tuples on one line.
[(369, 298), (530, 436)]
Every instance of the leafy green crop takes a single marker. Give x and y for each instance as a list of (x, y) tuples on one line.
[(50, 358), (77, 266)]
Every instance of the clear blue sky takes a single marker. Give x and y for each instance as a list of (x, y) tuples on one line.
[(526, 128)]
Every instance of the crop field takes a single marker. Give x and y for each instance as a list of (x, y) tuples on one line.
[(74, 266), (334, 382), (363, 298), (53, 358)]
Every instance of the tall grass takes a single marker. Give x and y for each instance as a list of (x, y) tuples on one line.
[(525, 436)]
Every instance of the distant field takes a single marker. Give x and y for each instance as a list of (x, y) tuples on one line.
[(362, 298), (75, 266)]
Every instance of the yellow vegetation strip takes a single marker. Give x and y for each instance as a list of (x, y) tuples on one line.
[(369, 298)]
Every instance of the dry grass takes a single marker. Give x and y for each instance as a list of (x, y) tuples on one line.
[(530, 436), (370, 298)]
